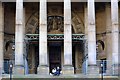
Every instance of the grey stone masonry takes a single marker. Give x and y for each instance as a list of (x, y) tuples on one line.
[(19, 39), (67, 68), (1, 38), (115, 35), (43, 67), (92, 67)]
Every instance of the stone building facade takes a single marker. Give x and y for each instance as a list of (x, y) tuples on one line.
[(76, 36)]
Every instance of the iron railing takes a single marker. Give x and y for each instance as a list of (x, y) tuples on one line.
[(55, 37), (107, 67)]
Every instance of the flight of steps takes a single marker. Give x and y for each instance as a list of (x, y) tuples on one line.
[(61, 77)]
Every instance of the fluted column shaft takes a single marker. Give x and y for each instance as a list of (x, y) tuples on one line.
[(91, 38), (1, 38), (67, 38), (115, 35), (43, 57), (19, 38)]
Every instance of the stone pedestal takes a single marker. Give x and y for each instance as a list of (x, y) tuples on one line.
[(68, 70), (93, 70), (43, 70)]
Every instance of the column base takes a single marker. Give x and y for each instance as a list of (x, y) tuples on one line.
[(68, 69), (18, 70), (93, 70), (43, 70)]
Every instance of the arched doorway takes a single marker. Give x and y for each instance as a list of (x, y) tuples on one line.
[(55, 27)]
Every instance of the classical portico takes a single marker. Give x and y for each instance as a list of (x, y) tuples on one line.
[(63, 37)]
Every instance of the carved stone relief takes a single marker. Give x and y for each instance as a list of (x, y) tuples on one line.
[(32, 23), (77, 24), (55, 22)]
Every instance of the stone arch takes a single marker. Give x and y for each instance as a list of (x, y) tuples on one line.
[(33, 23), (77, 23)]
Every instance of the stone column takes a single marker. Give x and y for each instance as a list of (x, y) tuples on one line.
[(19, 39), (1, 38), (86, 28), (119, 47), (92, 68), (115, 35), (86, 38), (43, 56), (25, 46), (68, 67), (86, 20), (108, 38)]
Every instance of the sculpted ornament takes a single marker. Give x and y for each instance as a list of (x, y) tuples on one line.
[(55, 23)]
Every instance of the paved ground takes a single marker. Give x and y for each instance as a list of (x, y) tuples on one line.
[(61, 77)]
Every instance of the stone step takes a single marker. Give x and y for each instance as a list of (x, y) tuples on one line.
[(61, 77)]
